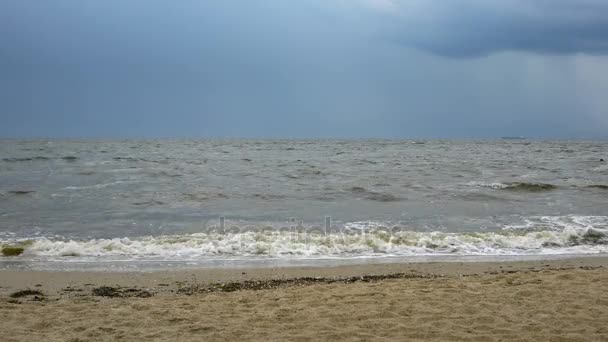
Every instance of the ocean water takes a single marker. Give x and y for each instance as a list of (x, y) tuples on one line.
[(172, 203)]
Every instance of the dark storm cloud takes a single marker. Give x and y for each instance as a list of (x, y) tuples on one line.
[(306, 68), (479, 27)]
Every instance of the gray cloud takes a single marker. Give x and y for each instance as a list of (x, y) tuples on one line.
[(463, 28), (309, 68)]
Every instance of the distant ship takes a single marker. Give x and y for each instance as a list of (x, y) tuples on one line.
[(513, 138)]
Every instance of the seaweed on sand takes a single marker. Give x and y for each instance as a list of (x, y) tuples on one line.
[(257, 285), (26, 293), (116, 292)]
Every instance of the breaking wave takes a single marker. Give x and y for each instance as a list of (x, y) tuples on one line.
[(540, 236), (519, 186)]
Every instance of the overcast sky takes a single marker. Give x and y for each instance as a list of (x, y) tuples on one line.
[(304, 68)]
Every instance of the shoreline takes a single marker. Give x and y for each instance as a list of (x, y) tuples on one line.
[(164, 281)]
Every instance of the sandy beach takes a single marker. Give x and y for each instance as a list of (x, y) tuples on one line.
[(559, 300)]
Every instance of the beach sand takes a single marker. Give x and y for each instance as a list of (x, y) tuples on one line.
[(559, 300)]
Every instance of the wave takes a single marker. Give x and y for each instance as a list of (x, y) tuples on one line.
[(21, 192), (37, 158), (70, 158), (131, 159), (474, 196), (97, 186), (15, 160), (373, 195), (542, 236), (518, 186), (149, 203), (268, 197), (203, 197)]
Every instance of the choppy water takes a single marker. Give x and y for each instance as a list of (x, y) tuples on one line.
[(160, 200)]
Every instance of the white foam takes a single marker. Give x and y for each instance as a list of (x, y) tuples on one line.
[(539, 236), (494, 185)]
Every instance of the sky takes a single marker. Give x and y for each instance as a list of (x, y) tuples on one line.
[(304, 68)]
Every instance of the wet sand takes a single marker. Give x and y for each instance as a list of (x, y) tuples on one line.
[(559, 300)]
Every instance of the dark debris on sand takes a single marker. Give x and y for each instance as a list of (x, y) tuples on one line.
[(257, 285), (117, 292), (26, 293)]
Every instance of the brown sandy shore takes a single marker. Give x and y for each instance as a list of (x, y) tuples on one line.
[(559, 300)]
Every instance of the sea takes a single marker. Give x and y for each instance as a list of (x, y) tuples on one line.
[(165, 204)]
